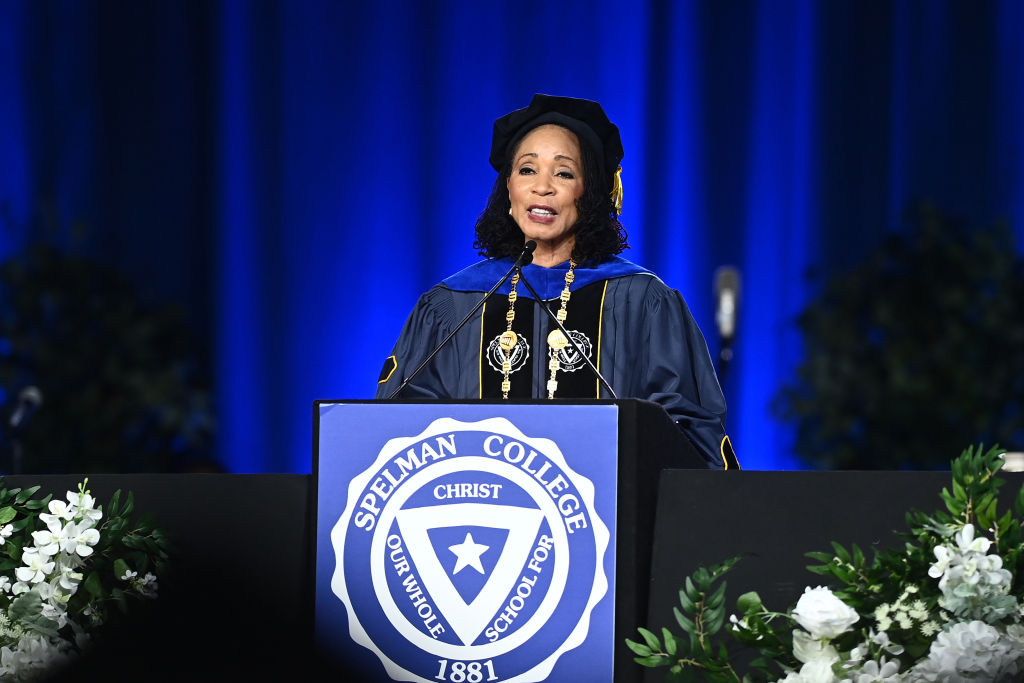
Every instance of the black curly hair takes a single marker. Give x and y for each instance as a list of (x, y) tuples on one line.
[(598, 232)]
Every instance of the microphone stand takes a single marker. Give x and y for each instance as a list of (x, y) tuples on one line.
[(568, 338), (525, 257)]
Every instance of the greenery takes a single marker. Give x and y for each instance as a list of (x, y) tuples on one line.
[(943, 605), (124, 387), (916, 347), (68, 569)]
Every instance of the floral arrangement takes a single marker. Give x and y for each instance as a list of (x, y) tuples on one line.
[(943, 607), (67, 567)]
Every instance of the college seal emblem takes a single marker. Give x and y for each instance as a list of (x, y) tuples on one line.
[(469, 553)]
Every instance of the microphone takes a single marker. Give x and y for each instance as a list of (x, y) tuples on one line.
[(526, 255), (29, 400), (525, 258), (568, 337), (727, 302)]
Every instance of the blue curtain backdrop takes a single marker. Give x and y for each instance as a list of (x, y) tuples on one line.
[(299, 172)]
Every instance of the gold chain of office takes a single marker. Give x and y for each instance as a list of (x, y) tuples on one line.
[(556, 339)]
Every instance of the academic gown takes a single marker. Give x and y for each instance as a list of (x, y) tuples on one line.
[(633, 327)]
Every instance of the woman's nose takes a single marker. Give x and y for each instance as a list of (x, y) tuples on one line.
[(543, 185)]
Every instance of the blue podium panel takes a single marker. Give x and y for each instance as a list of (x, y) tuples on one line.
[(466, 542)]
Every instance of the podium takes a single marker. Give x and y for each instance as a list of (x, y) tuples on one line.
[(239, 595), (373, 565)]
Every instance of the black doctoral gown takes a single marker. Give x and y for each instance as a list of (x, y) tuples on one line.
[(635, 329)]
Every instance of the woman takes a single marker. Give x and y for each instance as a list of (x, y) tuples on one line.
[(558, 186)]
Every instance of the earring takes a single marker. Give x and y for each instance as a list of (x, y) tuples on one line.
[(510, 211)]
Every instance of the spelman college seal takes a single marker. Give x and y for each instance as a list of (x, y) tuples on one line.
[(469, 553)]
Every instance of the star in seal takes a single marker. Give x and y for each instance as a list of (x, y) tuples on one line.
[(468, 554)]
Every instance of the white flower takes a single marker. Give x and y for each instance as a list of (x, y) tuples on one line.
[(74, 538), (147, 586), (967, 543), (818, 671), (128, 575), (5, 532), (5, 584), (46, 540), (967, 651), (37, 566), (59, 510), (883, 642), (943, 559), (45, 590), (974, 585), (877, 672), (808, 649), (823, 614), (69, 579), (85, 507)]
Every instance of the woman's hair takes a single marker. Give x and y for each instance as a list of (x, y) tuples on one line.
[(597, 229)]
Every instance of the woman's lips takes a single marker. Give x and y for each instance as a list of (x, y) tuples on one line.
[(541, 214)]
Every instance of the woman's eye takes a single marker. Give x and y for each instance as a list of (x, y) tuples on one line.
[(526, 170), (569, 175)]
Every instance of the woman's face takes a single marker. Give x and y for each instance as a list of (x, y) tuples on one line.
[(546, 181)]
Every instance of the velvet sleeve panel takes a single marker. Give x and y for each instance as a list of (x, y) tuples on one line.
[(658, 353)]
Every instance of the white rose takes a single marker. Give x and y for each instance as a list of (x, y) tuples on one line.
[(807, 649), (818, 671), (823, 614)]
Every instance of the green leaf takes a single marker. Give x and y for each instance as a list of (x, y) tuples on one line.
[(112, 506), (652, 661), (717, 598), (684, 623), (25, 607), (25, 495), (841, 552), (120, 568), (670, 642), (688, 604), (637, 648), (651, 639), (702, 577), (129, 505), (93, 585), (749, 602), (7, 514), (715, 620)]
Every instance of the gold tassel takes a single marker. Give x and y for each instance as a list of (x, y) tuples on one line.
[(617, 191)]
